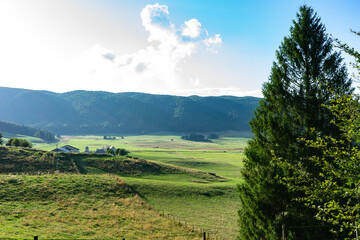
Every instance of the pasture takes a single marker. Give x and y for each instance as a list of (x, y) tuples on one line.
[(208, 205), (61, 206)]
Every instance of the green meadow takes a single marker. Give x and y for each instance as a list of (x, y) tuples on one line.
[(201, 192), (62, 206)]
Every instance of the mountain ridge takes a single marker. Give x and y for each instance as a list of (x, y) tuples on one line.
[(98, 112)]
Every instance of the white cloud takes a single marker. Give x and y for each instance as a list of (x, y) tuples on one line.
[(156, 20), (157, 65), (213, 42), (191, 28)]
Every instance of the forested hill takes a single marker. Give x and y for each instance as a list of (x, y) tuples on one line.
[(89, 112), (6, 127)]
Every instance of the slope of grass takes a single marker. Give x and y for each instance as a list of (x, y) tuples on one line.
[(222, 163), (80, 206), (211, 207), (125, 166)]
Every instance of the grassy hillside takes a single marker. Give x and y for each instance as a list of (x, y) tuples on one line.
[(210, 205), (91, 205), (87, 112), (80, 207)]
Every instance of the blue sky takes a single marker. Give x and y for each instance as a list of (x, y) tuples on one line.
[(202, 47)]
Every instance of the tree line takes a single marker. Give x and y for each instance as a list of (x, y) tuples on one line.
[(199, 137), (301, 171), (28, 131)]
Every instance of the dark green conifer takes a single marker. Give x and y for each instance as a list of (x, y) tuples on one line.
[(307, 74)]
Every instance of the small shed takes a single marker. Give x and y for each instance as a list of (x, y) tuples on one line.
[(71, 148), (60, 150)]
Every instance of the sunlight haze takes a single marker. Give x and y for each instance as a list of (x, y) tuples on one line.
[(165, 47)]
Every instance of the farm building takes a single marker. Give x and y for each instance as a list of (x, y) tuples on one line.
[(66, 148), (60, 150), (105, 148)]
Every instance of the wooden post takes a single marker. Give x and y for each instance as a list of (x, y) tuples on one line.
[(356, 234), (283, 231), (36, 238), (204, 236)]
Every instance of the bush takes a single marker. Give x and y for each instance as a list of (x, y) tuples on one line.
[(121, 152), (195, 137), (110, 151), (18, 142)]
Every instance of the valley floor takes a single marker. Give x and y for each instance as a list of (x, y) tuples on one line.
[(196, 185)]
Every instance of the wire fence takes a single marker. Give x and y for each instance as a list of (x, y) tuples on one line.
[(198, 233), (203, 236)]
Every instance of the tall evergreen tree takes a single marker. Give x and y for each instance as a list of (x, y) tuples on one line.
[(333, 189), (306, 75)]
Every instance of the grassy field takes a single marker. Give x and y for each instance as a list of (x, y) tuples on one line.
[(80, 207), (207, 204)]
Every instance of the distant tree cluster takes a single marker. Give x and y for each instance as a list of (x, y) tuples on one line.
[(28, 131), (18, 142), (109, 138), (118, 151), (1, 140), (195, 137), (213, 136), (46, 135), (121, 152)]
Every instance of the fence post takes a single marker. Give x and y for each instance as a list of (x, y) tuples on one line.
[(36, 238), (356, 234), (283, 231), (204, 236)]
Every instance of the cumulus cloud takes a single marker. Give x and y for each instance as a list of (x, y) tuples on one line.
[(191, 28), (160, 60)]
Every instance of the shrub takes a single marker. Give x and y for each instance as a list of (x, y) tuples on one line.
[(121, 152), (18, 142)]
